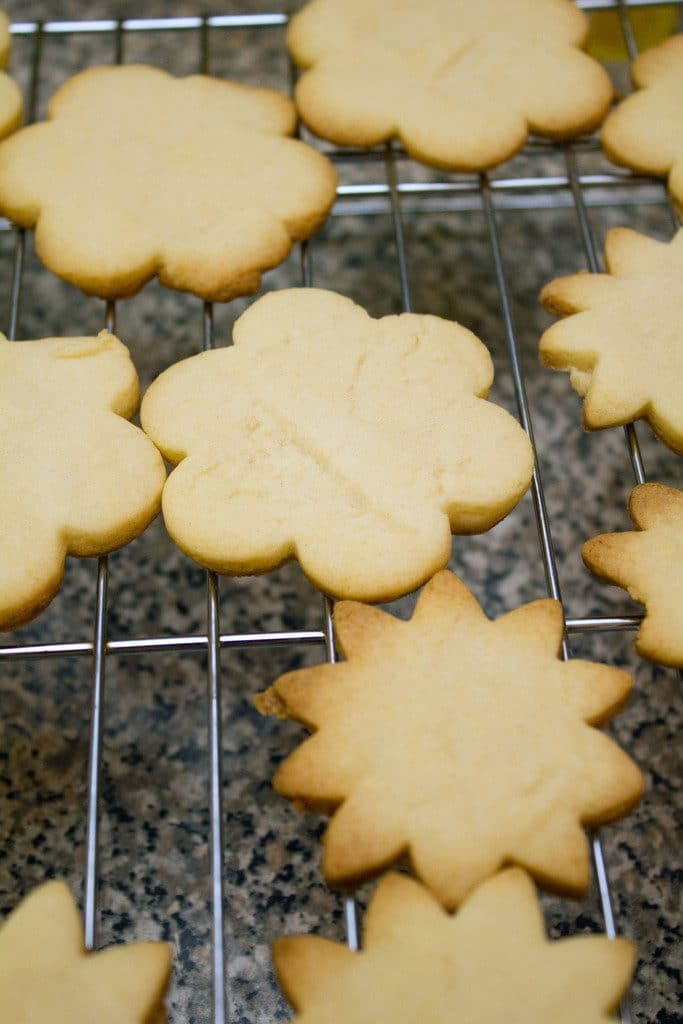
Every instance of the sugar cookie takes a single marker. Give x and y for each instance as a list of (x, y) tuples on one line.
[(75, 477), (645, 132), (462, 743), (461, 83), (649, 564), (137, 173), (355, 445), (489, 962), (47, 977), (11, 103), (622, 339)]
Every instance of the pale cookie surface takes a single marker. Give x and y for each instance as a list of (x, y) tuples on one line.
[(645, 132), (457, 741), (489, 962), (622, 339), (355, 445), (75, 477), (461, 83), (11, 104), (649, 564), (47, 977), (137, 173)]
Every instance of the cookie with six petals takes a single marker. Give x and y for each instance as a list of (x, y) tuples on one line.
[(355, 445), (461, 83), (137, 173)]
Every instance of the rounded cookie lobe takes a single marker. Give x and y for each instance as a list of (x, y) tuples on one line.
[(194, 180), (355, 445)]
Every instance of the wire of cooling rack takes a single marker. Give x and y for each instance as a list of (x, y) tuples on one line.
[(483, 193)]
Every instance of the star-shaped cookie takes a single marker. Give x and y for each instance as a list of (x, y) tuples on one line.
[(645, 132), (489, 962), (649, 564), (75, 477), (461, 83), (137, 173), (355, 445), (47, 977), (462, 743), (622, 339), (11, 104)]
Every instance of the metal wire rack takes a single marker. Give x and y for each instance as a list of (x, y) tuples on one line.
[(485, 193)]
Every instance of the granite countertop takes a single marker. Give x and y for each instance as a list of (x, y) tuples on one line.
[(154, 869)]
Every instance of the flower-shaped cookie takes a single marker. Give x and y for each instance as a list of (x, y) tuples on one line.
[(47, 977), (457, 741), (649, 564), (75, 477), (11, 105), (645, 132), (460, 82), (489, 962), (137, 173), (355, 445), (622, 340)]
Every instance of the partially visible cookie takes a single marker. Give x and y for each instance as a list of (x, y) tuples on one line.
[(11, 103), (461, 83), (622, 339), (489, 962), (462, 743), (47, 976), (75, 477), (645, 132), (136, 174), (649, 564), (354, 445)]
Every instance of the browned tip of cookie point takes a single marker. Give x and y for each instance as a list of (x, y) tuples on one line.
[(650, 502), (270, 703), (447, 591), (604, 556)]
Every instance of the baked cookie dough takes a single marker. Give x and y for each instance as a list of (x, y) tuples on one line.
[(75, 477), (489, 962), (459, 743), (11, 103), (649, 564), (47, 976), (355, 445), (645, 132), (461, 83), (622, 339), (136, 173)]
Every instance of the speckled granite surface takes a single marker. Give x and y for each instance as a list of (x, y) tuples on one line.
[(154, 862)]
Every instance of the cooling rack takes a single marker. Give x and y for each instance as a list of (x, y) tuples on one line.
[(384, 188)]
